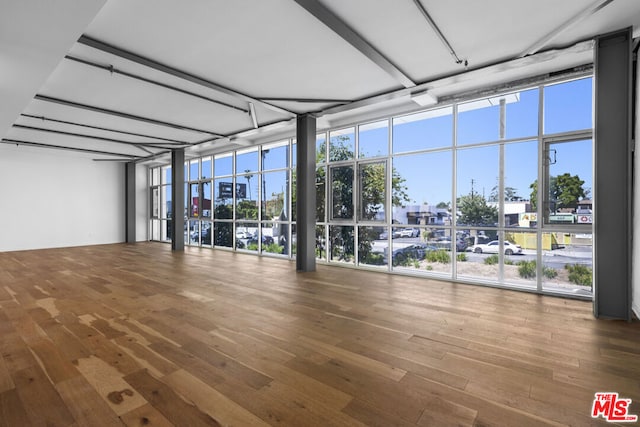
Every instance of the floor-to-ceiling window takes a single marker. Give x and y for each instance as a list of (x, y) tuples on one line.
[(489, 190)]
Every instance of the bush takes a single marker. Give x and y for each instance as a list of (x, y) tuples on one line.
[(549, 273), (252, 246), (508, 262), (273, 248), (373, 259), (462, 257), (580, 274), (429, 268), (440, 255), (491, 259), (527, 269)]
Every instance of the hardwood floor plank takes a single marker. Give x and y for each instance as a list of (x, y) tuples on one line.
[(12, 411), (85, 404), (145, 416), (168, 402)]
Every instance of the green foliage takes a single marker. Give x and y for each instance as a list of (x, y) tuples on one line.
[(273, 248), (565, 190), (252, 246), (510, 193), (475, 211), (579, 274), (247, 209), (440, 256), (462, 257), (372, 259), (507, 261), (429, 268), (443, 205), (492, 259), (527, 269), (549, 273)]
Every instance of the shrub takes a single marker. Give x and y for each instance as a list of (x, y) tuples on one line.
[(273, 248), (373, 259), (252, 246), (491, 259), (579, 274), (549, 273), (527, 269), (440, 255), (508, 262), (462, 257), (429, 268)]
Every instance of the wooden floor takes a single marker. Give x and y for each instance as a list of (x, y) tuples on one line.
[(137, 335)]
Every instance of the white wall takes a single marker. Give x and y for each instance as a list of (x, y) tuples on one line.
[(142, 203), (635, 260), (51, 198)]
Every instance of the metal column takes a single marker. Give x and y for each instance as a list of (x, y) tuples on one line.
[(612, 183), (177, 199), (130, 202), (306, 193)]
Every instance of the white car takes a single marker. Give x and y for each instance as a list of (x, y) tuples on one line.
[(409, 232), (493, 247)]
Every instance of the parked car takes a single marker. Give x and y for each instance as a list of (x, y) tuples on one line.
[(493, 248), (409, 232), (266, 240), (384, 235), (243, 234)]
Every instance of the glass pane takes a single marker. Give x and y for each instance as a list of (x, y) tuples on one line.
[(477, 175), (320, 194), (246, 208), (294, 240), (479, 121), (155, 202), (371, 251), (155, 230), (321, 243), (206, 199), (205, 233), (520, 266), (522, 114), (342, 192), (341, 144), (321, 148), (223, 165), (275, 238), (252, 237), (422, 250), (194, 200), (166, 205), (155, 176), (294, 192), (428, 129), (194, 173), (275, 157), (223, 198), (193, 232), (246, 161), (342, 244), (567, 199), (422, 188), (372, 179), (166, 175), (294, 154), (520, 175), (568, 106), (481, 259), (567, 263), (206, 168), (373, 139), (275, 189), (166, 230), (223, 234)]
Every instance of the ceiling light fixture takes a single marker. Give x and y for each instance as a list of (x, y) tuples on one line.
[(424, 98)]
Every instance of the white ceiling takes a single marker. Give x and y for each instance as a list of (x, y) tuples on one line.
[(137, 71)]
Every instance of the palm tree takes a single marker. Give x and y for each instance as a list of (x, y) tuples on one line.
[(248, 181)]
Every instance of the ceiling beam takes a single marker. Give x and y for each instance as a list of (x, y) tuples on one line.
[(123, 132), (339, 27), (542, 42), (130, 56), (61, 147), (121, 114), (140, 145), (114, 70)]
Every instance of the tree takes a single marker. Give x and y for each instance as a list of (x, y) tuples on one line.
[(565, 191), (510, 193), (443, 205), (475, 211)]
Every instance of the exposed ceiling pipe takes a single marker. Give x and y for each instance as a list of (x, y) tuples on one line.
[(439, 33)]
